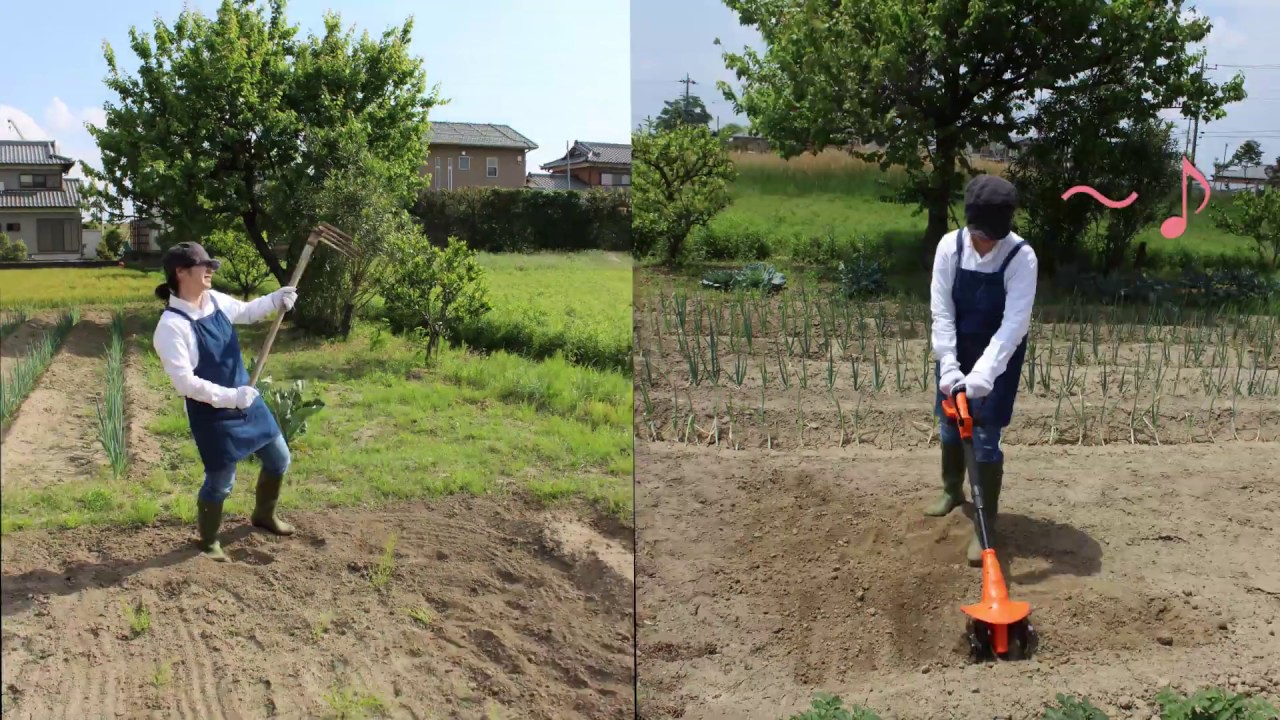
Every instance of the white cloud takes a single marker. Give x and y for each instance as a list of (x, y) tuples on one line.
[(59, 116)]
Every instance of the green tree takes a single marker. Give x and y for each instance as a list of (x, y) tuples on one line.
[(683, 110), (1257, 216), (113, 244), (242, 265), (1248, 155), (1087, 140), (729, 129), (926, 79), (232, 119), (433, 291), (368, 199), (681, 181), (12, 250)]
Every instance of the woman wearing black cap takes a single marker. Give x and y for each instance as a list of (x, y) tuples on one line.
[(199, 348), (984, 286)]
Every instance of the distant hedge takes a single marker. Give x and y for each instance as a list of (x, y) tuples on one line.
[(520, 220)]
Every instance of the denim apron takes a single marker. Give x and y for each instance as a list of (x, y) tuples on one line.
[(979, 301), (224, 436)]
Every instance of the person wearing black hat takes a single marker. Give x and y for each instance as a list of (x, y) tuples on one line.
[(983, 289), (200, 350)]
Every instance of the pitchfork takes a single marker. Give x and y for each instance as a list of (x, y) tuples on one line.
[(323, 233)]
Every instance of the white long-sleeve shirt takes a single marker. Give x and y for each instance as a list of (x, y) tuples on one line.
[(175, 342), (1020, 295)]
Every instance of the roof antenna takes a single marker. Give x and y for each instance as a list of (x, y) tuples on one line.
[(15, 129)]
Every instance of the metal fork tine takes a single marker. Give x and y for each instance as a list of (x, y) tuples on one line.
[(336, 239)]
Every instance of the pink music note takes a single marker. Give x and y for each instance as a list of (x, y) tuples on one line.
[(1174, 227)]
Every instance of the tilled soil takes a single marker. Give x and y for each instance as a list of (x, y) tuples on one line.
[(53, 437), (16, 344), (764, 577), (519, 613)]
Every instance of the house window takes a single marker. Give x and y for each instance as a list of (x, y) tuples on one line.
[(13, 227), (624, 179), (491, 167), (32, 181), (606, 178), (464, 163)]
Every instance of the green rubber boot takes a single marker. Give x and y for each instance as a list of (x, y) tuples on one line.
[(991, 475), (952, 482), (208, 520), (264, 509)]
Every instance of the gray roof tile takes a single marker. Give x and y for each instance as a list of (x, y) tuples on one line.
[(546, 181), (31, 152), (67, 198), (479, 135), (595, 153)]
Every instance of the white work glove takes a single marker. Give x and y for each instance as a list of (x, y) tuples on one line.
[(285, 297), (976, 386), (949, 379), (245, 396)]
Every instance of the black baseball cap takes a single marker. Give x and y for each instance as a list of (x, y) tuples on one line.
[(989, 204), (186, 255)]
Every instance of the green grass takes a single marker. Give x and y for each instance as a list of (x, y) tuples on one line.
[(798, 207), (391, 431), (38, 288), (64, 287), (573, 304), (578, 305)]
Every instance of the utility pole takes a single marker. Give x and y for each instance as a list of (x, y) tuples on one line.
[(1195, 136), (687, 81), (684, 109)]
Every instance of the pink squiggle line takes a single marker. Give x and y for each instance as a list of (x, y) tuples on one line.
[(1113, 204)]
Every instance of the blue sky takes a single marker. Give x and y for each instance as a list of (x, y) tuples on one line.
[(672, 37), (555, 71)]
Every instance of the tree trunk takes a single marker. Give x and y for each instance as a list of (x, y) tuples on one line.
[(938, 199), (251, 227)]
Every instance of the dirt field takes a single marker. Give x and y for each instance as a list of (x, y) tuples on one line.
[(763, 577), (54, 436), (15, 345), (1140, 519), (527, 615)]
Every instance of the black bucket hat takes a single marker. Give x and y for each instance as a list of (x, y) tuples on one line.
[(187, 255), (989, 204)]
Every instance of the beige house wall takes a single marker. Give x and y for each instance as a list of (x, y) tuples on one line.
[(444, 164), (24, 225)]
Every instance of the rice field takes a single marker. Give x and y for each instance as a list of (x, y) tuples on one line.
[(59, 288)]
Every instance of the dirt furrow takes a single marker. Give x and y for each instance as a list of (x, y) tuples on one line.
[(53, 437)]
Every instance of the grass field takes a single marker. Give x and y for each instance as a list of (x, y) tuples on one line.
[(472, 424), (795, 206), (578, 305), (536, 421), (575, 305), (56, 287)]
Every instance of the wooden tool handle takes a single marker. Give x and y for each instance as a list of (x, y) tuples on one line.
[(275, 324)]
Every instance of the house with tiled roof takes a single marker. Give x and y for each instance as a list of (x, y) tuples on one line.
[(592, 164), (1238, 178), (39, 204), (463, 154)]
